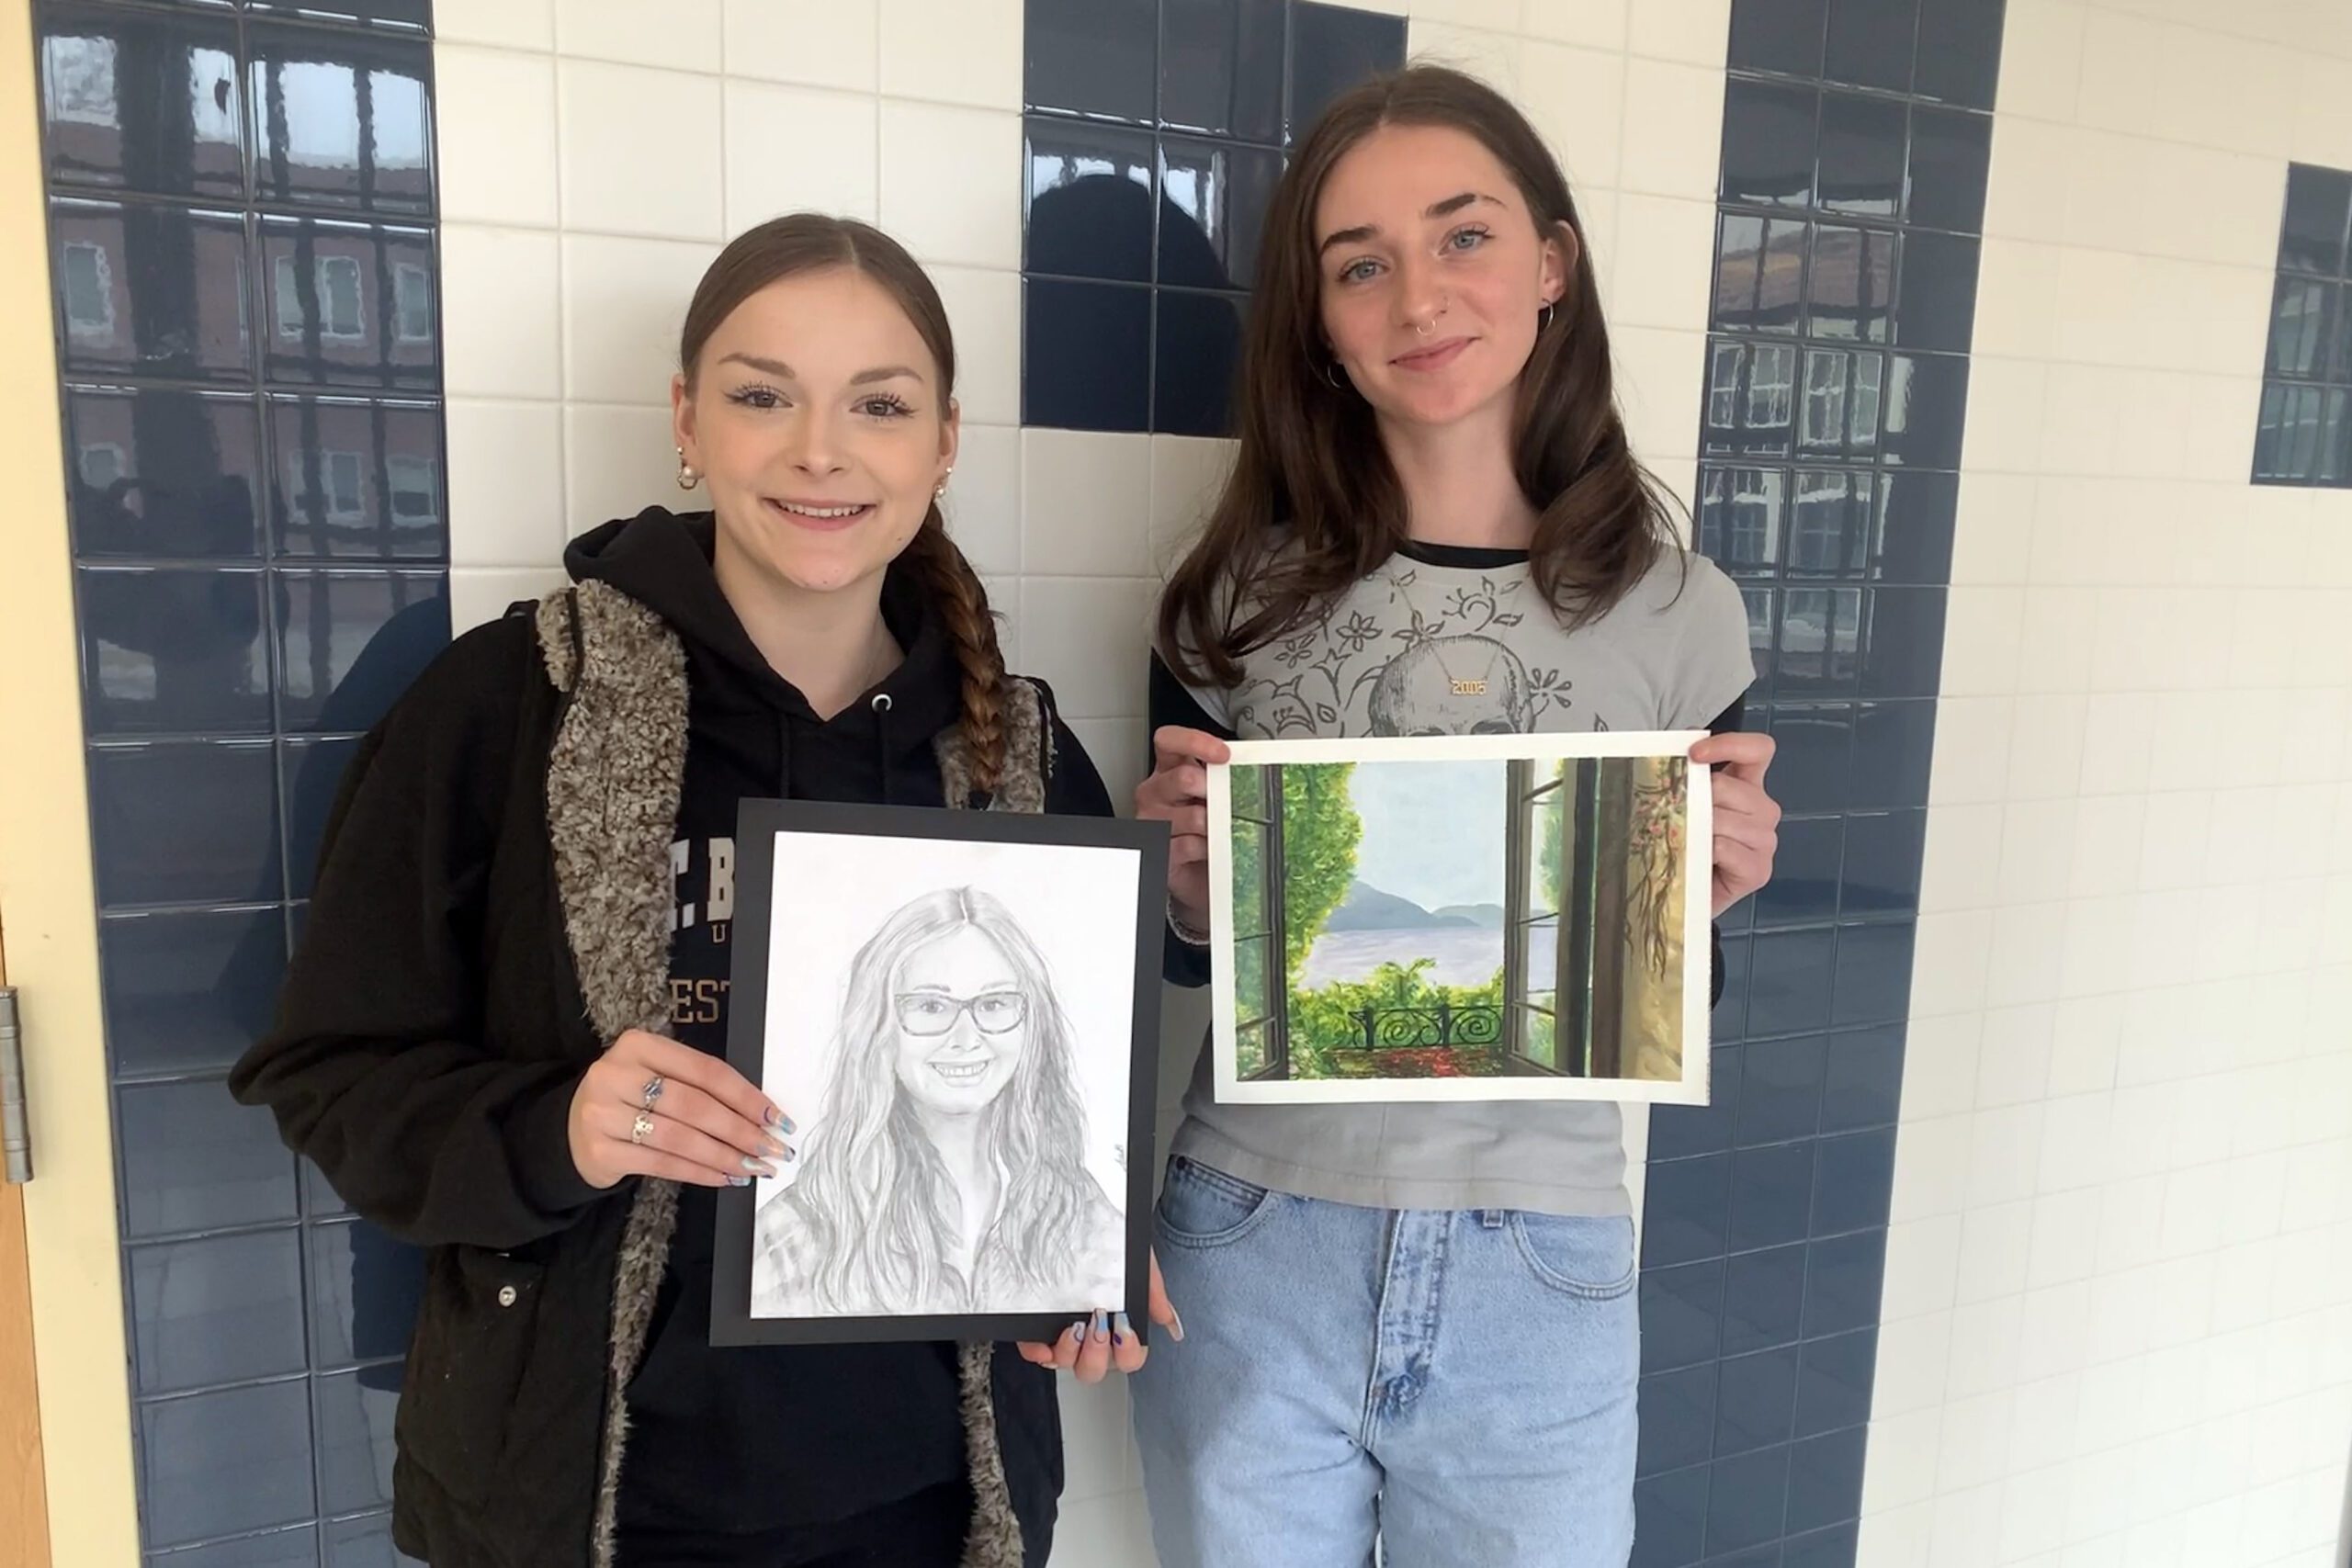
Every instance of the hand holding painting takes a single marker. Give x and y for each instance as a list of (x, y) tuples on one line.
[(1747, 821), (1177, 793), (1091, 1349), (651, 1106)]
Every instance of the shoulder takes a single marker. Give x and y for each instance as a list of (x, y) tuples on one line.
[(1686, 587), (473, 689)]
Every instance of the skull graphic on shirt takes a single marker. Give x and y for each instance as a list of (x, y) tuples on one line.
[(1452, 685)]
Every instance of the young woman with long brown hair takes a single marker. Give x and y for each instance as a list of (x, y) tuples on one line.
[(1416, 1322), (502, 1037)]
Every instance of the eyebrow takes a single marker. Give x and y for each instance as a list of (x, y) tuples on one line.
[(1446, 209), (783, 372)]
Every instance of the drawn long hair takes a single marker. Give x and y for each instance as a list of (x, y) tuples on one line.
[(877, 1209)]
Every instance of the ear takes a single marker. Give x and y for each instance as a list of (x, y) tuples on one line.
[(951, 434), (1562, 251), (682, 418)]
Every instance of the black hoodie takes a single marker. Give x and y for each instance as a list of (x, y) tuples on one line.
[(765, 1439)]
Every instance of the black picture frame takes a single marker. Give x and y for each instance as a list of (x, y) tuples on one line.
[(757, 825)]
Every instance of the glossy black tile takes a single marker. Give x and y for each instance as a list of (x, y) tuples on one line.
[(363, 1288), (1820, 653), (293, 1546), (311, 772), (1834, 1382), (1681, 1310), (1217, 195), (1833, 1548), (1671, 1519), (1685, 1206), (1768, 143), (1086, 355), (319, 1198), (1759, 273), (2287, 434), (173, 648), (1771, 1192), (1864, 1081), (1880, 875), (1788, 993), (1862, 156), (2305, 313), (1826, 1479), (1843, 407), (364, 1542), (350, 643), (1873, 983), (1763, 607), (1938, 309), (349, 305), (1844, 1277), (1850, 288), (1816, 742), (1729, 1021), (2315, 233), (1869, 43), (2334, 463), (1089, 199), (1925, 410), (1959, 57), (1756, 1401), (194, 1159), (1333, 48), (1950, 152), (1196, 355), (403, 16), (1677, 1420), (216, 1464), (1763, 1298), (1783, 36), (1678, 1132), (1751, 398), (1742, 512), (358, 476), (1893, 743), (340, 119), (1221, 67), (142, 101), (183, 821), (1834, 514), (1092, 57), (1905, 648), (1854, 1173), (188, 990), (146, 289), (1781, 1093), (1917, 509), (1746, 1500), (353, 1433), (1804, 889), (215, 1310), (164, 474)]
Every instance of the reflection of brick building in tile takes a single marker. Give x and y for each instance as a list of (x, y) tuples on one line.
[(355, 477), (151, 291)]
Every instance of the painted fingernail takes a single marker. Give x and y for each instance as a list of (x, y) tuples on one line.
[(1101, 1324), (1078, 1332), (738, 1182), (779, 1119), (790, 1152), (1175, 1327), (1124, 1331), (773, 1145), (758, 1166)]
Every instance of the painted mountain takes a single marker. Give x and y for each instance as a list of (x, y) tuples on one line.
[(1367, 909)]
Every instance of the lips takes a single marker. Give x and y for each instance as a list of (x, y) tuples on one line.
[(1434, 357), (825, 516), (961, 1075)]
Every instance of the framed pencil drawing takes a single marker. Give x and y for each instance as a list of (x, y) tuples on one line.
[(1504, 916), (960, 1012)]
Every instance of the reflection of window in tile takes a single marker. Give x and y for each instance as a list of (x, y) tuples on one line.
[(342, 479), (1760, 267), (1824, 400), (77, 76), (1870, 378), (412, 302), (339, 299), (1773, 386), (102, 463), (1722, 385), (89, 290), (1832, 509), (1755, 513), (416, 490)]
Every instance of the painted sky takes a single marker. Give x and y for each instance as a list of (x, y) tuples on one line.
[(1433, 831)]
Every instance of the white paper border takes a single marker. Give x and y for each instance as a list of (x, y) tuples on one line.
[(1698, 886)]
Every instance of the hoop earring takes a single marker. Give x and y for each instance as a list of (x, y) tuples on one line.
[(1333, 380), (1543, 318), (687, 477)]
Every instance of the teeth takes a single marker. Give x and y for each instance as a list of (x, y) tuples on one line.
[(823, 512), (965, 1072)]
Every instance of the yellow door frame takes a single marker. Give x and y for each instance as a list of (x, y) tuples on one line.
[(47, 897)]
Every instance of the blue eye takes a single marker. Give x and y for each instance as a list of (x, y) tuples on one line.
[(883, 407), (756, 398), (1357, 271), (1475, 237)]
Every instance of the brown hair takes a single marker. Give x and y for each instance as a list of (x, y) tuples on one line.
[(1311, 465), (810, 242)]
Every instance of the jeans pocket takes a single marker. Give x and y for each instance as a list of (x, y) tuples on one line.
[(1585, 1255), (1201, 1207)]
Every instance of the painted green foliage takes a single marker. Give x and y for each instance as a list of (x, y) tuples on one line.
[(1320, 832)]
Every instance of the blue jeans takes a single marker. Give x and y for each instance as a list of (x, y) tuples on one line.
[(1459, 1384)]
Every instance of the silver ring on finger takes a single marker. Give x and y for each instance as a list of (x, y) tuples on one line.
[(642, 1128), (651, 1092)]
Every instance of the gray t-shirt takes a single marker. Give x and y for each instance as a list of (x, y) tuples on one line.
[(1428, 645)]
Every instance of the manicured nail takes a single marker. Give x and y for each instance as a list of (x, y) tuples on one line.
[(758, 1166), (1122, 1330), (1078, 1332), (779, 1119), (738, 1182), (1101, 1324), (1175, 1327), (773, 1145), (790, 1152)]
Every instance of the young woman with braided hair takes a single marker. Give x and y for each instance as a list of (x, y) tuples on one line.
[(503, 1037)]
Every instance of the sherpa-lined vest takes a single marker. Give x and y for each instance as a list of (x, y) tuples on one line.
[(614, 775)]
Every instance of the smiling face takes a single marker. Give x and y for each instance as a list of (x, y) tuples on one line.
[(962, 1019), (1432, 272), (817, 415)]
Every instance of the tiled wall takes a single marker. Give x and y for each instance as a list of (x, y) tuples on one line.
[(2305, 433), (2118, 1311), (240, 231)]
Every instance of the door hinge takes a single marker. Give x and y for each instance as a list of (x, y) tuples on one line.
[(16, 1128)]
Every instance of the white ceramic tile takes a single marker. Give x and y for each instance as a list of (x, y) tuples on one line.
[(2027, 197), (2004, 432), (2036, 841), (2097, 956), (2032, 1512), (1575, 100), (2013, 1056), (1666, 256), (1971, 763), (1931, 1170), (951, 183), (2064, 1244), (1095, 1445), (620, 460), (1692, 30), (2053, 1338), (624, 302), (1659, 377), (1085, 503), (683, 35), (505, 484), (1895, 1538), (983, 501), (1899, 1466), (1593, 23), (1914, 1365), (1188, 472), (1974, 1446), (955, 51), (1981, 631), (478, 594), (984, 311), (1102, 1532), (1085, 635), (1995, 1245), (497, 125), (1948, 970), (1117, 746), (1939, 1069), (2084, 1038), (1994, 532), (2041, 59), (799, 150), (622, 128), (1962, 865), (2075, 1142), (2004, 1152), (2056, 645), (1673, 137), (510, 24), (2116, 742), (2323, 114), (831, 45), (1486, 54), (499, 313)]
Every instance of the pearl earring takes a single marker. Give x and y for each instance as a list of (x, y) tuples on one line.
[(687, 477)]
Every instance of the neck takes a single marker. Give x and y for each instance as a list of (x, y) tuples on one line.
[(830, 646), (1459, 478), (957, 1139)]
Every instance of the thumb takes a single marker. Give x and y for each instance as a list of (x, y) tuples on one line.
[(1163, 1311)]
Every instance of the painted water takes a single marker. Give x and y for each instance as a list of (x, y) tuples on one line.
[(1465, 955)]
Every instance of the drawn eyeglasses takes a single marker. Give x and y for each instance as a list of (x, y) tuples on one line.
[(930, 1012)]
